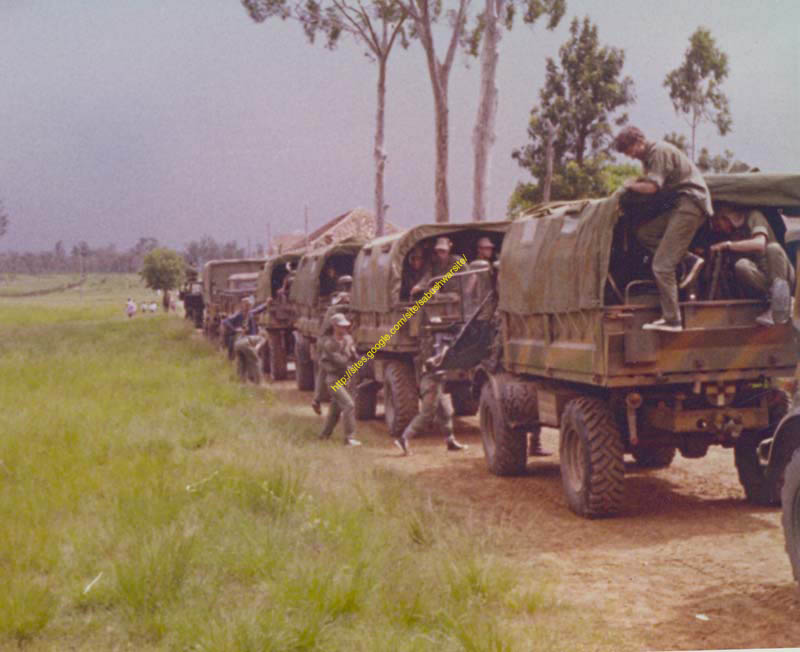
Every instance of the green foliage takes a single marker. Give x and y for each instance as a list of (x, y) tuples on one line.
[(162, 269), (597, 178), (261, 539), (679, 140), (582, 92), (507, 11), (694, 86)]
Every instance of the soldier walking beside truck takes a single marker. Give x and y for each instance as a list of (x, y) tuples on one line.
[(248, 343), (337, 351), (668, 235), (340, 302), (436, 408)]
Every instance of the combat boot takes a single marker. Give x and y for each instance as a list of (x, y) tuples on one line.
[(453, 445)]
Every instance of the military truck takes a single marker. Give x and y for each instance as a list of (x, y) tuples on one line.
[(215, 284), (278, 320), (381, 297), (574, 292), (787, 435), (310, 296), (191, 294)]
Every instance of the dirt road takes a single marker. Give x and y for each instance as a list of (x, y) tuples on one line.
[(688, 564)]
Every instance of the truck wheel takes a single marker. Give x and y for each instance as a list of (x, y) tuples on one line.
[(760, 486), (505, 448), (464, 403), (592, 463), (366, 400), (400, 398), (304, 366), (654, 458), (277, 356), (790, 498)]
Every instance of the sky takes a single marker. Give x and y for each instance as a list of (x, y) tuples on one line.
[(173, 119)]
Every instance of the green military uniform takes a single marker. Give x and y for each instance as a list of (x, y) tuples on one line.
[(436, 407), (669, 235), (757, 272), (335, 356), (340, 304), (247, 348)]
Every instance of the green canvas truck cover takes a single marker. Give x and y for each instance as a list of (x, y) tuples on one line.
[(216, 273), (377, 277), (555, 258), (305, 288)]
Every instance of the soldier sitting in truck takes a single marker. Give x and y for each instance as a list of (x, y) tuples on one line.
[(761, 265), (413, 272), (440, 264)]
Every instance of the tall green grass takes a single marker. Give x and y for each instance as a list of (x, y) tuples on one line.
[(148, 501)]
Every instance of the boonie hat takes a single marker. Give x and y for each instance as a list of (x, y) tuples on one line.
[(443, 243), (339, 320)]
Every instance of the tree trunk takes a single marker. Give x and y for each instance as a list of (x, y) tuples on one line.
[(380, 153), (548, 161), (483, 136), (442, 146)]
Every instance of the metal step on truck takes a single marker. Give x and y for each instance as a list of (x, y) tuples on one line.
[(575, 289)]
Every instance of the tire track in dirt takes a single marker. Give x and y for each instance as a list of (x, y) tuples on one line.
[(685, 544)]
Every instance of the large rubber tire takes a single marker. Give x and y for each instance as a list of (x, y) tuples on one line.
[(304, 365), (400, 397), (464, 403), (654, 458), (790, 499), (505, 448), (277, 356), (592, 458), (366, 400), (761, 486)]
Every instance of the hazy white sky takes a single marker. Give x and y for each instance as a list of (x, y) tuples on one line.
[(172, 119)]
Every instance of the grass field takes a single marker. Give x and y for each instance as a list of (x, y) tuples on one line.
[(150, 502)]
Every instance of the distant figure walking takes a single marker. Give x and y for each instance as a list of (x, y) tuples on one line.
[(130, 308)]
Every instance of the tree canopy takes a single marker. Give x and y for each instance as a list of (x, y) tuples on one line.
[(582, 93), (694, 86), (163, 269)]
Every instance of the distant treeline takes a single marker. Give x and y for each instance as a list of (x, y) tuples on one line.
[(82, 258)]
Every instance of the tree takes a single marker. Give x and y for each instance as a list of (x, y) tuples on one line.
[(376, 25), (163, 269), (694, 87), (424, 15), (496, 15), (582, 92), (3, 220), (679, 140), (597, 178)]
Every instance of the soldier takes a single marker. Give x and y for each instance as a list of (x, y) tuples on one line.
[(248, 344), (415, 272), (437, 407), (442, 262), (340, 302), (668, 236), (337, 351), (762, 265)]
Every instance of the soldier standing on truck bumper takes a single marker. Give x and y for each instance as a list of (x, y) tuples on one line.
[(337, 351), (668, 236), (436, 407)]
